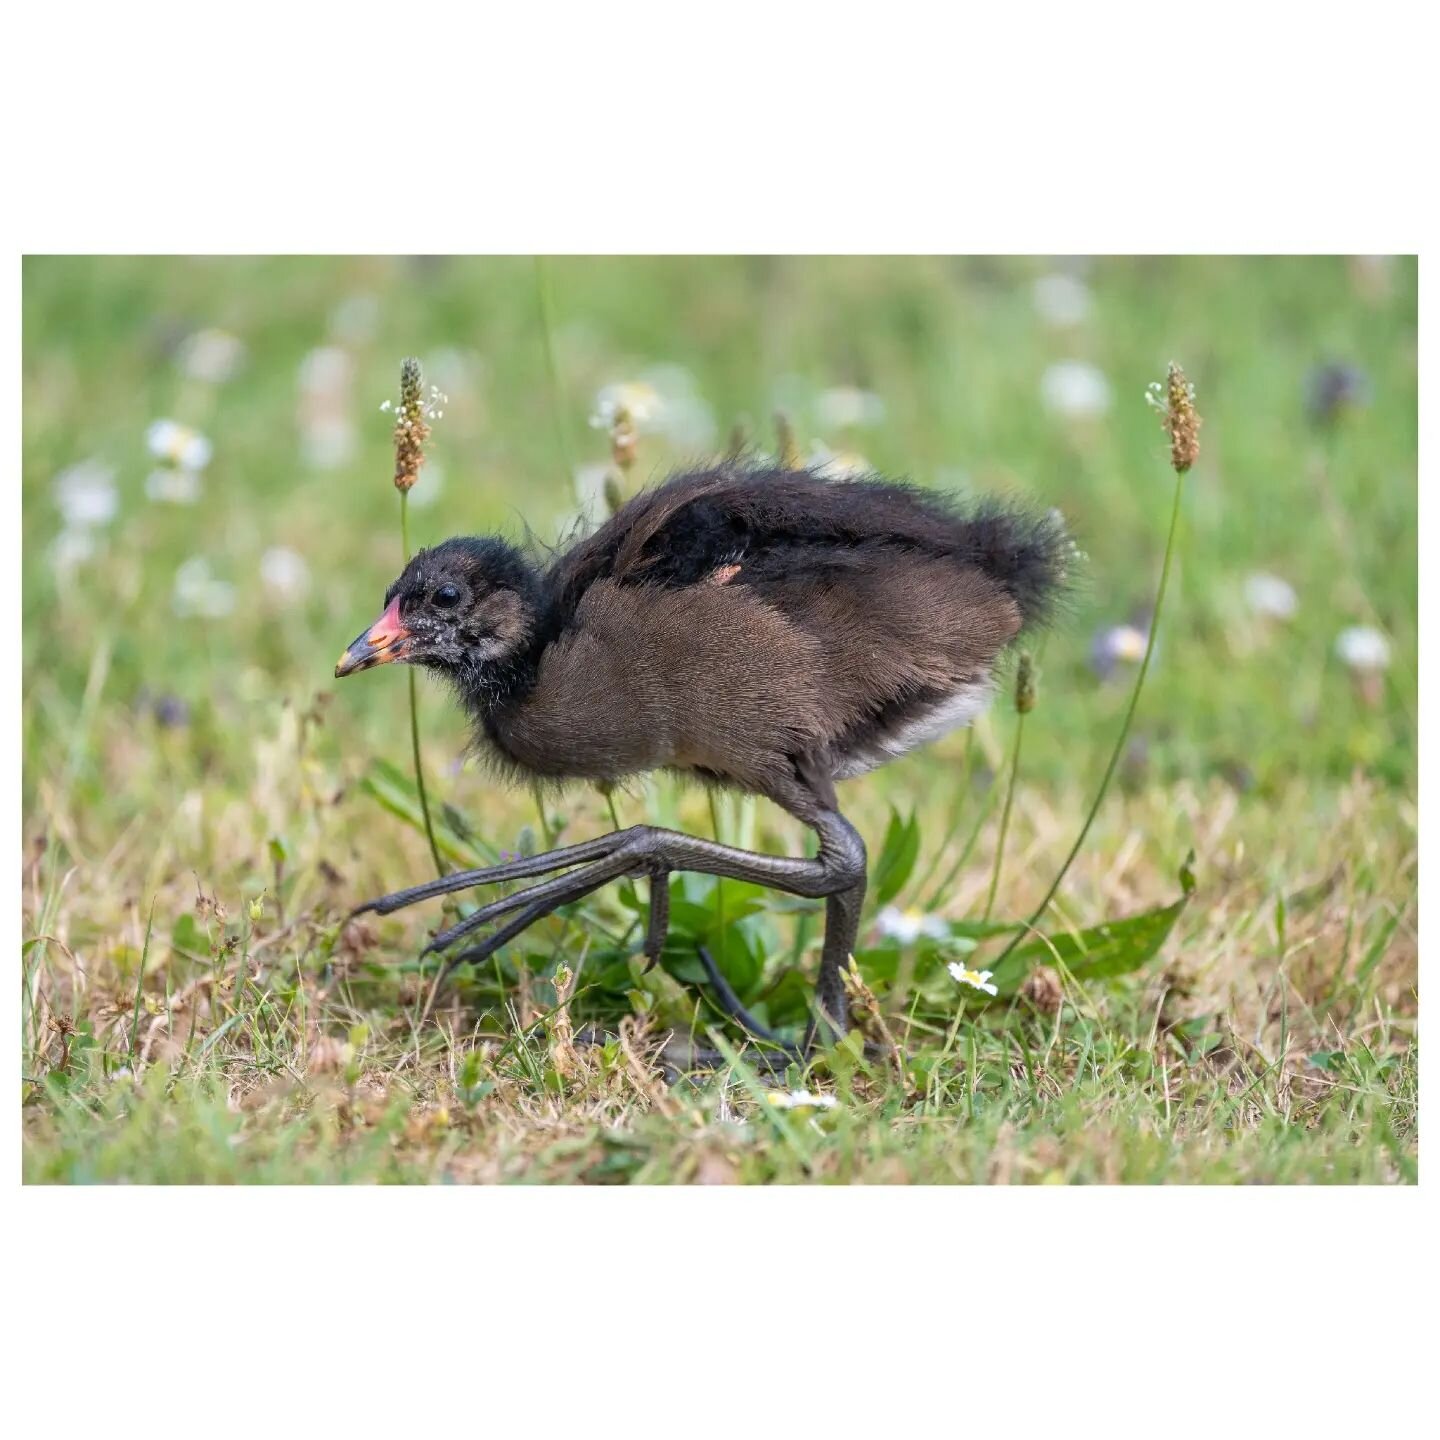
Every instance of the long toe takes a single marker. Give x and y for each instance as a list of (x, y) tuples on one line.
[(547, 896), (522, 869)]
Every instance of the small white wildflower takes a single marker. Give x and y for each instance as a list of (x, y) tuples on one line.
[(1270, 596), (590, 488), (683, 417), (178, 444), (907, 926), (1061, 300), (85, 494), (284, 572), (1075, 389), (800, 1100), (69, 550), (976, 979), (327, 440), (1362, 647), (355, 318), (837, 464), (212, 356), (636, 398), (846, 407), (198, 594), (326, 372), (173, 487)]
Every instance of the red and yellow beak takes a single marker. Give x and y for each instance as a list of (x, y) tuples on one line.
[(387, 639)]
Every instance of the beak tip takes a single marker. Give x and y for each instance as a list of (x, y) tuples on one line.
[(386, 640)]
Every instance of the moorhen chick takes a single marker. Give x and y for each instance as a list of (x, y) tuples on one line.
[(769, 630)]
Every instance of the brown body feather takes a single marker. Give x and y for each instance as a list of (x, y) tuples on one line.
[(741, 683)]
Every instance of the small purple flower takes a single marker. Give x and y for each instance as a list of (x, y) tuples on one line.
[(1116, 645), (1332, 389), (171, 712)]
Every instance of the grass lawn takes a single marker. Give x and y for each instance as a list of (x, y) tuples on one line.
[(203, 803)]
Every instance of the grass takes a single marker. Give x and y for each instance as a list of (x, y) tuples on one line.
[(203, 803)]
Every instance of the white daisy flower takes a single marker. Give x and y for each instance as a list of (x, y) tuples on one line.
[(86, 494), (1270, 596), (685, 418), (69, 550), (327, 441), (178, 444), (326, 372), (1061, 300), (1075, 389), (355, 318), (173, 487), (198, 594), (327, 428), (212, 356), (636, 398), (976, 979), (800, 1100), (454, 370), (590, 487), (285, 573), (845, 407), (1362, 647), (838, 464), (907, 926)]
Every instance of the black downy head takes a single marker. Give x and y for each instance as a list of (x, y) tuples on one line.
[(468, 608)]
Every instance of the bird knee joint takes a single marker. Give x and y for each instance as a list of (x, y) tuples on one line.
[(845, 859)]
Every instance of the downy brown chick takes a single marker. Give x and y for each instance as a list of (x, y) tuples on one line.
[(773, 631)]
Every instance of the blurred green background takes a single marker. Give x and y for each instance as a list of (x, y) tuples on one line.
[(209, 518), (211, 590)]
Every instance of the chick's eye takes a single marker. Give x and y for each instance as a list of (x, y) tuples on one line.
[(446, 596)]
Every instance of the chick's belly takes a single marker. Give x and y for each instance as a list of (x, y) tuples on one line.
[(907, 731)]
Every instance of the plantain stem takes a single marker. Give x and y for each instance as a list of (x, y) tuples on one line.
[(415, 708), (1029, 927), (1005, 816)]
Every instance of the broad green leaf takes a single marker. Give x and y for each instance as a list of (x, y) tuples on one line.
[(980, 929), (1116, 947), (898, 853), (880, 962), (186, 934)]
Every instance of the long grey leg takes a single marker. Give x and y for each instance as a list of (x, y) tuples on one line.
[(837, 874), (842, 923)]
